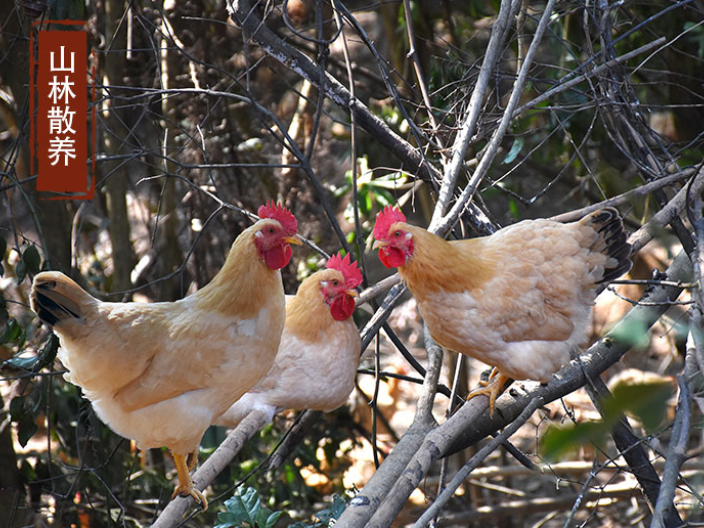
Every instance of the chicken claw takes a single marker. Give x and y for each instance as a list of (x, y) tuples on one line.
[(185, 484), (490, 388)]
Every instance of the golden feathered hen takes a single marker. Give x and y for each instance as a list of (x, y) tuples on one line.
[(520, 299), (160, 373), (319, 351)]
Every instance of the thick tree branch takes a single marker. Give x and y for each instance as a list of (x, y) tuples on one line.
[(477, 459), (363, 506)]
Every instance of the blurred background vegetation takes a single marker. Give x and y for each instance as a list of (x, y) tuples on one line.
[(191, 123)]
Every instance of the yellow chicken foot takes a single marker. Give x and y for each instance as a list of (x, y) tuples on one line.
[(490, 388), (185, 484)]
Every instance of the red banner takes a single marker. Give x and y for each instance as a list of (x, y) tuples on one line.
[(61, 119)]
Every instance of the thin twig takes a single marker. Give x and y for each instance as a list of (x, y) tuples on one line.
[(413, 54)]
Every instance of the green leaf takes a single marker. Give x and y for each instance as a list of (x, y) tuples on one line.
[(560, 441), (632, 332), (226, 520), (26, 429), (17, 408), (32, 259), (266, 518), (244, 506), (38, 362), (384, 197), (648, 402), (11, 333), (513, 208), (334, 512), (515, 150), (244, 510), (22, 363), (21, 271)]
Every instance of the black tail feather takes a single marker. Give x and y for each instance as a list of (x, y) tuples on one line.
[(608, 224), (51, 305)]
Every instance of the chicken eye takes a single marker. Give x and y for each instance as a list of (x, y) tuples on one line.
[(397, 234), (271, 230), (335, 282)]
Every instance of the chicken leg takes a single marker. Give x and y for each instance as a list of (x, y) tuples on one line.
[(490, 388), (185, 484), (192, 460)]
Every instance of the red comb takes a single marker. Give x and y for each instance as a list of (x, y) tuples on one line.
[(349, 270), (387, 216), (279, 213)]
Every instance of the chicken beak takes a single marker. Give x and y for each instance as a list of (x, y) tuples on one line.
[(352, 293), (379, 244), (295, 239)]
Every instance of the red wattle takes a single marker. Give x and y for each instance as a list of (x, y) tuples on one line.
[(278, 257), (342, 307), (392, 257)]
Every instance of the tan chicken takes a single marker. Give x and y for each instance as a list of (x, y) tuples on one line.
[(520, 299), (160, 373), (319, 351)]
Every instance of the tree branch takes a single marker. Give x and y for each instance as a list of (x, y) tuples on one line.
[(477, 459), (363, 506), (676, 454)]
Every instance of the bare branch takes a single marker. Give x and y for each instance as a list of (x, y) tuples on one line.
[(667, 214), (676, 454), (412, 158), (363, 506)]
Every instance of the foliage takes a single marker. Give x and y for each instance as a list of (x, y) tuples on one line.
[(244, 510), (647, 402), (327, 516)]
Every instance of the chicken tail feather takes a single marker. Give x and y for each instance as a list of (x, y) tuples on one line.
[(610, 242), (56, 297)]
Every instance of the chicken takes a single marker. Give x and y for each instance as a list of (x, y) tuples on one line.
[(518, 300), (160, 373), (319, 352)]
